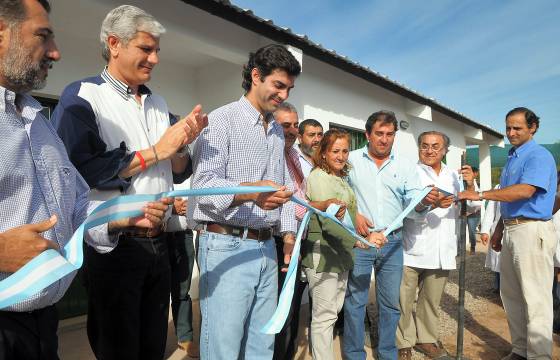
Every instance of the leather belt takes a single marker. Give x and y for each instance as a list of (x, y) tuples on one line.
[(139, 232), (518, 220), (253, 234)]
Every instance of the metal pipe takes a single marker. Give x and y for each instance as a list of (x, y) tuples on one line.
[(462, 268)]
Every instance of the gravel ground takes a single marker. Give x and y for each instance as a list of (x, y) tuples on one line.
[(478, 295)]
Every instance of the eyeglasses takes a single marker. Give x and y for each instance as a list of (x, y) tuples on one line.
[(427, 147)]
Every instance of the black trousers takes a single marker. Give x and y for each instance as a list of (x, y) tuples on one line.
[(181, 260), (128, 290), (285, 345), (29, 335)]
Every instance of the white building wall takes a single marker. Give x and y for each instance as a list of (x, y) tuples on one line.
[(217, 84), (201, 61)]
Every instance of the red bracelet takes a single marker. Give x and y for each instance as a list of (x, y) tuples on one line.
[(142, 161)]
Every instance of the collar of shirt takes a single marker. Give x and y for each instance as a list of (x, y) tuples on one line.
[(392, 157), (383, 192), (443, 172), (306, 165), (28, 105), (256, 117), (120, 87), (517, 151)]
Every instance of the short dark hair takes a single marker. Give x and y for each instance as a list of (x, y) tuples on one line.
[(308, 122), (383, 116), (13, 11), (474, 168), (530, 116), (266, 60)]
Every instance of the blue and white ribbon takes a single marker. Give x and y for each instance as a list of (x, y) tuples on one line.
[(52, 265), (277, 321), (275, 324)]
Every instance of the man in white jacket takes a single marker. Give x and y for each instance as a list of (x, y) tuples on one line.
[(430, 247), (487, 228)]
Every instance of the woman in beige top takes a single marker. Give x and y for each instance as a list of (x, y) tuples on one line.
[(327, 250)]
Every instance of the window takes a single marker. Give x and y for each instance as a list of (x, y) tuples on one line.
[(357, 137), (48, 105)]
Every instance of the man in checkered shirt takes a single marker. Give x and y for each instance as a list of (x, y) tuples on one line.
[(43, 198), (244, 145)]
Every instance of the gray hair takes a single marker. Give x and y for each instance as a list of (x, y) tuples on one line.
[(445, 138), (287, 107), (12, 12), (125, 22)]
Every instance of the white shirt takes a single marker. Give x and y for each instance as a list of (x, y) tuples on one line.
[(178, 222), (431, 242), (306, 165), (101, 124), (140, 125), (487, 226)]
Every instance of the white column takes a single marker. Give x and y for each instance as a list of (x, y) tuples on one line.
[(485, 167)]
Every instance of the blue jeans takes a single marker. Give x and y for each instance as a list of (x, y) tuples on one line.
[(472, 222), (388, 265), (238, 294)]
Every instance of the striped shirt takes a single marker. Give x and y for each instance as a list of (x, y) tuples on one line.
[(37, 180), (234, 149), (294, 168)]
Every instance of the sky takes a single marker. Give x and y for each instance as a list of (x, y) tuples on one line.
[(480, 58)]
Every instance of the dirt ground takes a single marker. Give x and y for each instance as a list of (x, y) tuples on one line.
[(486, 330), (486, 333)]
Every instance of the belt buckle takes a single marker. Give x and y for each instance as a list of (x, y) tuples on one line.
[(237, 231)]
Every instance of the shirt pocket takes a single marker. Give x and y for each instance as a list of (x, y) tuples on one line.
[(414, 242)]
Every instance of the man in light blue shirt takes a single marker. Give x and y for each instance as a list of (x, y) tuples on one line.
[(527, 192), (384, 184)]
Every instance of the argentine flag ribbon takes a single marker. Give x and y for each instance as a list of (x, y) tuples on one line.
[(275, 324), (52, 265)]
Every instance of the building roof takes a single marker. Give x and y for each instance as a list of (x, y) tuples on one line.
[(246, 19)]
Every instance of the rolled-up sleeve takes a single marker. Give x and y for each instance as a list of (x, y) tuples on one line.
[(210, 156), (288, 221)]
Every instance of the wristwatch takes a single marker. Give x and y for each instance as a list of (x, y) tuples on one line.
[(481, 195)]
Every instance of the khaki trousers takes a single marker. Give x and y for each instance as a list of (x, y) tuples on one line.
[(423, 328), (526, 275), (328, 291)]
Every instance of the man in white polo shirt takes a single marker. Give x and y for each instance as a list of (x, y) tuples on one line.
[(430, 247), (118, 135)]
